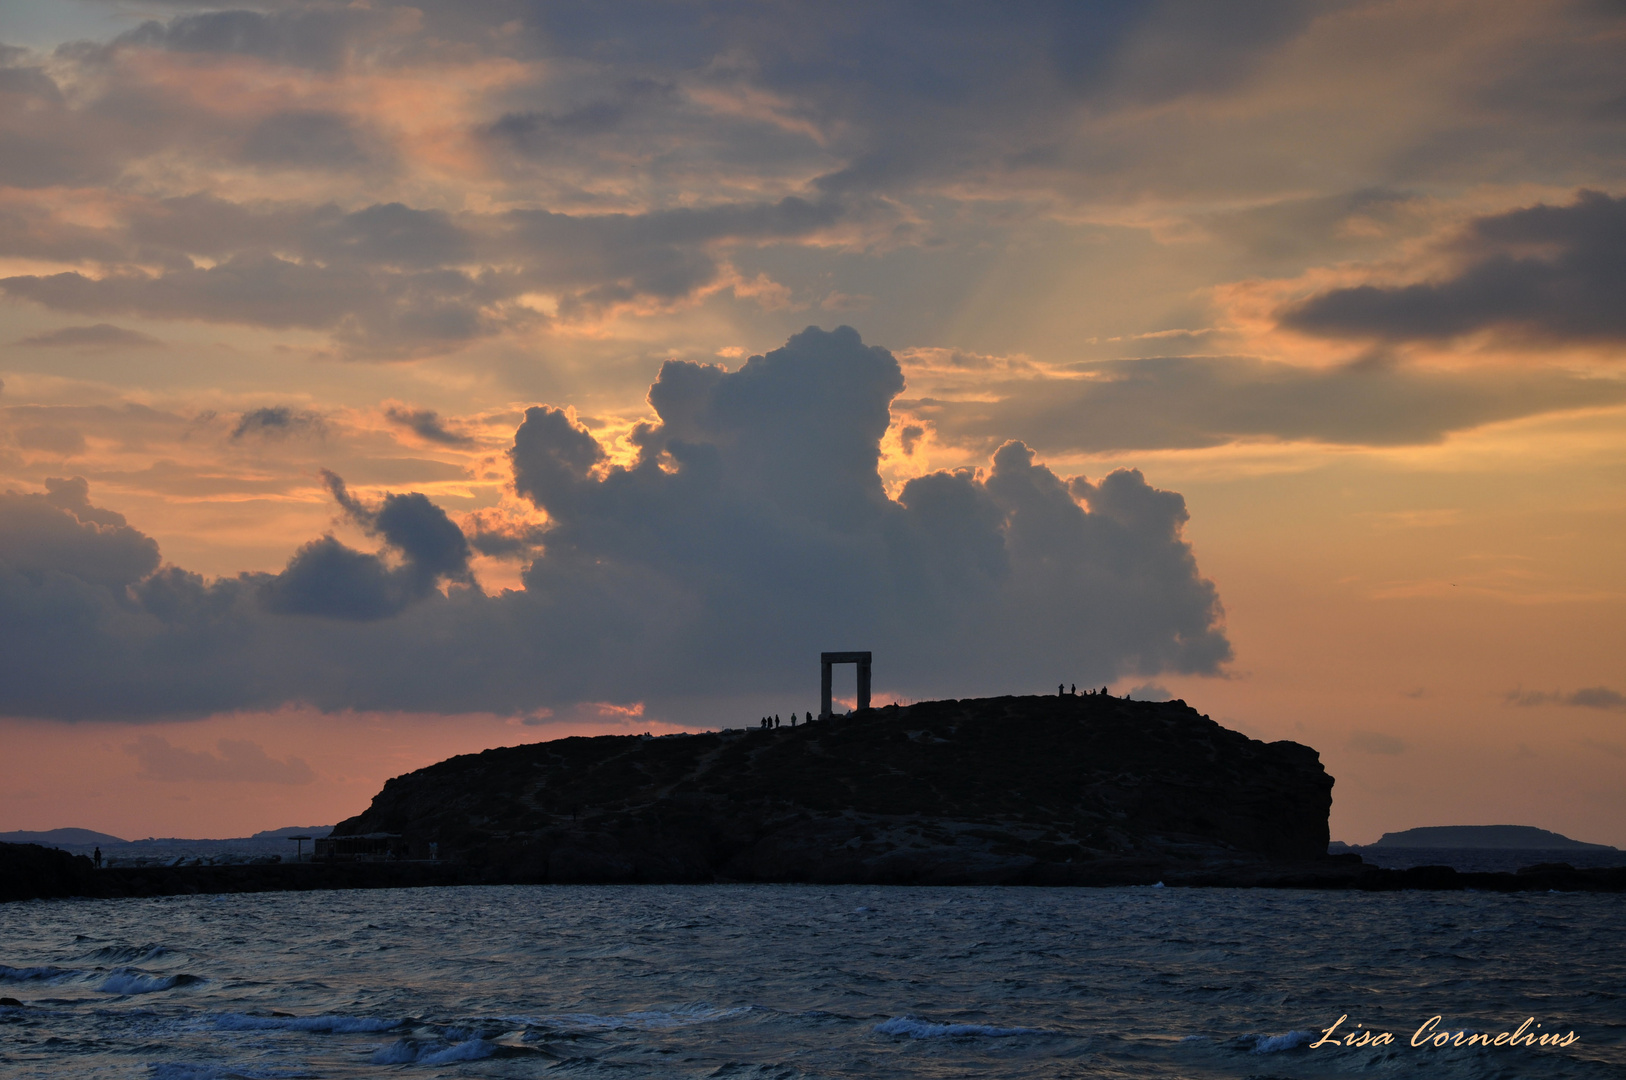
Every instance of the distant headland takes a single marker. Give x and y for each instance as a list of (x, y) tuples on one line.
[(1501, 837)]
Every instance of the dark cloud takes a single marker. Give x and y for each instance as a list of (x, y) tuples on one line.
[(1199, 401), (752, 532), (502, 539), (327, 579), (239, 761), (278, 421), (1590, 697), (770, 508), (1546, 272), (43, 140), (431, 544), (538, 132), (607, 259), (704, 100), (99, 336), (380, 278), (427, 425), (302, 35), (59, 532), (376, 312), (262, 290)]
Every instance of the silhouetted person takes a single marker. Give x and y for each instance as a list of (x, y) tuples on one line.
[(792, 719), (1073, 690), (775, 719), (98, 857), (1061, 689), (1104, 692)]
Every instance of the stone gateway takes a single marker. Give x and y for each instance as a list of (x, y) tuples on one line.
[(825, 660)]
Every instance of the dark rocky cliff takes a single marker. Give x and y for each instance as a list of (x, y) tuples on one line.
[(1086, 790)]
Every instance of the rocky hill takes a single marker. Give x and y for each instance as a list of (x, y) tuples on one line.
[(1085, 790)]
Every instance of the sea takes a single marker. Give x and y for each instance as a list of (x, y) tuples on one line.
[(776, 982)]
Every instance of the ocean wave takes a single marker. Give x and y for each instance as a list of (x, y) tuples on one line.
[(921, 1029), (407, 1052), (131, 981), (341, 1025), (127, 954), (35, 974)]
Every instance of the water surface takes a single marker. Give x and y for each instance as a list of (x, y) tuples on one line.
[(806, 981)]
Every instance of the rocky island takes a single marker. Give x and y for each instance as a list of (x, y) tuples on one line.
[(1065, 790), (1071, 789)]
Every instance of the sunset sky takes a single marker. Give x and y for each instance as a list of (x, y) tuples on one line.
[(380, 382)]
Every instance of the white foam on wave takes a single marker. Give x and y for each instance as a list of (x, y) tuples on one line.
[(407, 1052), (131, 981), (340, 1025), (921, 1029), (1271, 1044)]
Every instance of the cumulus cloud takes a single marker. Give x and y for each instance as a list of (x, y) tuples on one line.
[(239, 761), (1551, 272), (1588, 697), (1199, 401), (751, 533)]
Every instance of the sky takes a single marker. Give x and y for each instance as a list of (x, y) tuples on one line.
[(382, 381)]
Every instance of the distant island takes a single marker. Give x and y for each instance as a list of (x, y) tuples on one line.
[(1080, 789), (1503, 837)]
